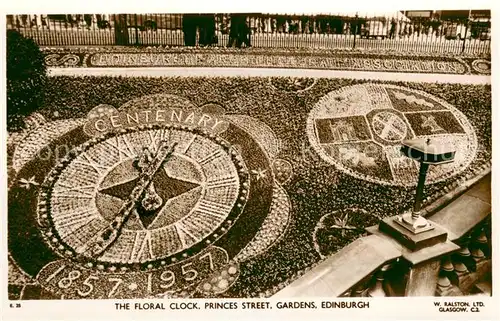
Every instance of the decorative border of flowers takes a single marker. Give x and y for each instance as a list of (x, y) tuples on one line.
[(366, 60), (177, 49), (477, 63), (64, 60), (272, 229), (35, 141)]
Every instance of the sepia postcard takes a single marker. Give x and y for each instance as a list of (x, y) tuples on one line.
[(262, 161)]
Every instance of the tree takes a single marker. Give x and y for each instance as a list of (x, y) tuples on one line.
[(26, 78)]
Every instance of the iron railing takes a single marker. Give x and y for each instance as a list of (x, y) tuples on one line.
[(393, 31)]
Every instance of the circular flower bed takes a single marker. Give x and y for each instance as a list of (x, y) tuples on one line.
[(333, 229), (360, 130)]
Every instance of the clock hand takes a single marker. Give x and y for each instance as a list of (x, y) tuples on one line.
[(151, 200), (106, 237)]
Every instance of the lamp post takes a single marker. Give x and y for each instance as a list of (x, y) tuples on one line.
[(426, 152)]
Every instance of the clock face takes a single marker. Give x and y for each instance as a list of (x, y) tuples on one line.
[(190, 196), (181, 221)]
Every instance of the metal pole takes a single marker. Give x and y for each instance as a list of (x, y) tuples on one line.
[(355, 30), (466, 29), (136, 31), (465, 36), (420, 190)]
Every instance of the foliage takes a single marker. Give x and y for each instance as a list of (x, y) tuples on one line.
[(26, 78)]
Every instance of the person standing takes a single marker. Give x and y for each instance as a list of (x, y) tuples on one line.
[(234, 23), (88, 20), (245, 32), (280, 24), (239, 32), (207, 29), (392, 31), (189, 29), (121, 30)]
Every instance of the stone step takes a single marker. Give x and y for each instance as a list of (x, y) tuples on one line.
[(467, 280), (482, 288), (451, 290)]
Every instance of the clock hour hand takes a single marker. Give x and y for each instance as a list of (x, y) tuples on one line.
[(106, 237)]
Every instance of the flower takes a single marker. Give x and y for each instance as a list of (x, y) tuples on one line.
[(28, 183), (259, 173), (343, 224)]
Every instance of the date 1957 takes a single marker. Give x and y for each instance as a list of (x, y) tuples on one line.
[(74, 282)]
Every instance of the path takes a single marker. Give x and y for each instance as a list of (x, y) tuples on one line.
[(271, 72)]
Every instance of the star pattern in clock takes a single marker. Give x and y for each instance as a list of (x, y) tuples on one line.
[(163, 188)]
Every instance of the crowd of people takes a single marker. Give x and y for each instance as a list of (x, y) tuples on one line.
[(208, 27), (239, 27), (342, 25), (69, 20)]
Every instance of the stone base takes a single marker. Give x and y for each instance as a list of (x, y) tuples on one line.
[(413, 226), (411, 240)]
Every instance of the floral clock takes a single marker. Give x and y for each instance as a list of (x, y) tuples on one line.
[(156, 198)]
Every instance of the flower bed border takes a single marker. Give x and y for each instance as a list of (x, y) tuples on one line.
[(341, 59)]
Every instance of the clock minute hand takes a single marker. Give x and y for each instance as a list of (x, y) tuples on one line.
[(106, 237)]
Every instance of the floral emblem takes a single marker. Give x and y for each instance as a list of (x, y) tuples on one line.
[(360, 130)]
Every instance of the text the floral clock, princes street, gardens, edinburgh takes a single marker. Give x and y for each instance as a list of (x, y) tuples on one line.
[(174, 199), (360, 128)]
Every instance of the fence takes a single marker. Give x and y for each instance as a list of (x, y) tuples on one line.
[(393, 31)]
